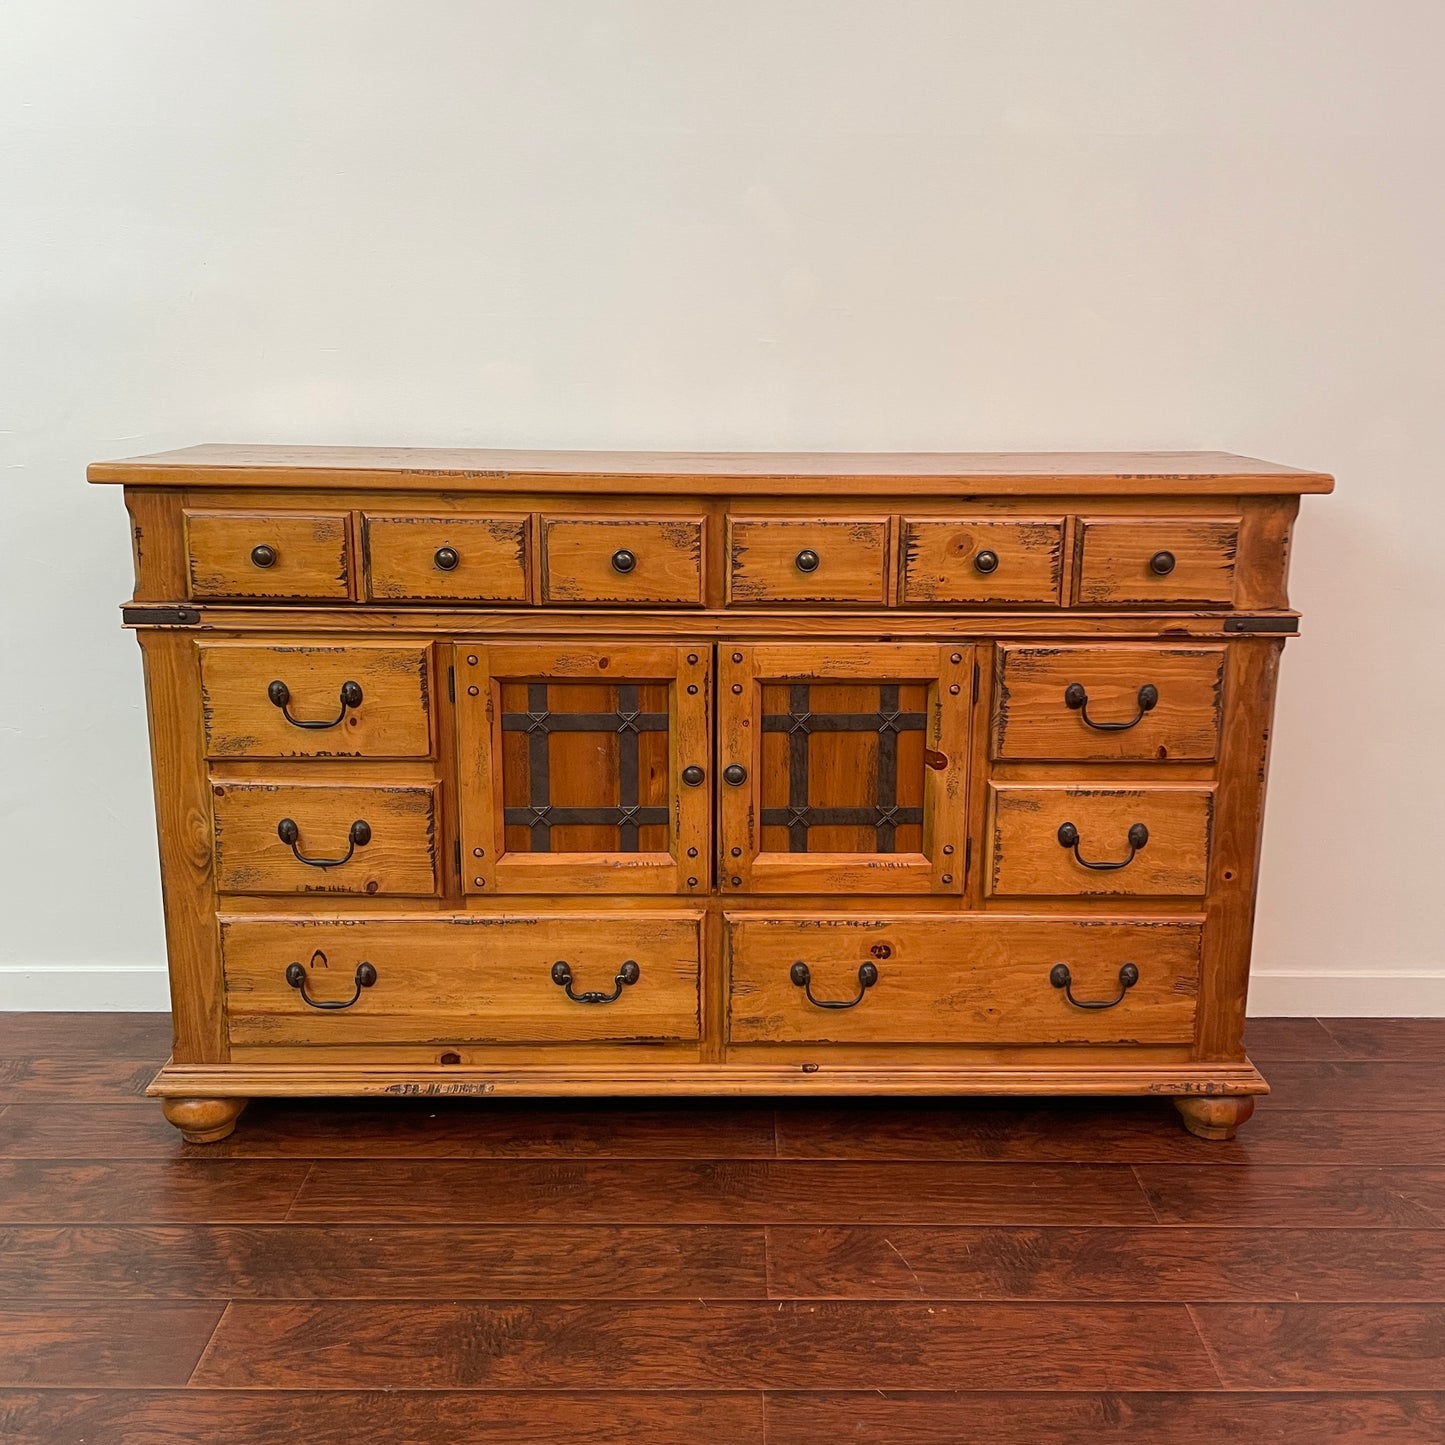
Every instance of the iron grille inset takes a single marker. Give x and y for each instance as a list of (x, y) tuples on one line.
[(539, 723), (799, 722)]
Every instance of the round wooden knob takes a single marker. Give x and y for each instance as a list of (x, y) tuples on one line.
[(263, 556)]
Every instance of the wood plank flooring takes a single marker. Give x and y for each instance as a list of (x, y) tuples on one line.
[(726, 1272)]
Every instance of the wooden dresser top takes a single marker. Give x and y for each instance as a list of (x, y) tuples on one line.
[(715, 473)]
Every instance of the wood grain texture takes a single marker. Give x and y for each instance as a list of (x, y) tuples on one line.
[(310, 551), (398, 857), (178, 1191), (710, 1345), (1032, 720), (137, 1343), (1027, 857), (342, 1417), (950, 979), (402, 557), (580, 560), (1303, 1195), (478, 469), (1114, 568), (391, 721), (461, 977), (940, 561)]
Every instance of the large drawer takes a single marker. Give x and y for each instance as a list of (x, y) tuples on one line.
[(1115, 701), (942, 978), (1127, 840), (456, 978), (360, 700), (325, 837), (269, 554)]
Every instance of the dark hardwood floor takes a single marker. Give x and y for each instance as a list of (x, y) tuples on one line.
[(726, 1272)]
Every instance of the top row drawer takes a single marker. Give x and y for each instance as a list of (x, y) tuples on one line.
[(771, 561)]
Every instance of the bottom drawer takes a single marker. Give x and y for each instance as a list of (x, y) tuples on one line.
[(458, 978), (940, 979)]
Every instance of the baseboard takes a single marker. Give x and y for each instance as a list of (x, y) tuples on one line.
[(74, 988), (1399, 993)]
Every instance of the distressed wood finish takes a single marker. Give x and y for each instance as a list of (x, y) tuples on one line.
[(679, 723), (465, 559)]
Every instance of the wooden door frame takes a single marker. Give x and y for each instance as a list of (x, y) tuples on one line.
[(481, 667), (946, 670)]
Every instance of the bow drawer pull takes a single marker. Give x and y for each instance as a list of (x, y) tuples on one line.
[(800, 977), (1138, 837), (359, 835), (1060, 977), (296, 977), (627, 975), (280, 696), (1077, 698)]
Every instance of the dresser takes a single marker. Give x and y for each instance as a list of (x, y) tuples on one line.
[(580, 773)]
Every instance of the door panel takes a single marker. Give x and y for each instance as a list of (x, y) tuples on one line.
[(584, 769), (843, 768)]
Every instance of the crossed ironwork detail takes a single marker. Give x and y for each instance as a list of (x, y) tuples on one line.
[(800, 722), (539, 722)]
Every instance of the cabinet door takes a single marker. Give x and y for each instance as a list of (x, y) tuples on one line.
[(843, 767), (584, 768)]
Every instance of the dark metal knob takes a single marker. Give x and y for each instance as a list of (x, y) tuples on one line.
[(735, 774), (263, 556), (806, 560), (623, 560), (446, 558), (986, 562), (693, 775), (1162, 563)]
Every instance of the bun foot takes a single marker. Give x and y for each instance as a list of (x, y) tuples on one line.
[(203, 1121), (1214, 1117)]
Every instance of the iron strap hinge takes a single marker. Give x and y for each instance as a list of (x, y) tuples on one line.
[(1261, 624), (159, 616)]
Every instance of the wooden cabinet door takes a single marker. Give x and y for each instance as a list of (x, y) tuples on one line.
[(584, 768), (843, 767)]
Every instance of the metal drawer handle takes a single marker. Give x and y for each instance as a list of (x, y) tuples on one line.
[(627, 975), (800, 977), (1161, 564), (359, 836), (1060, 977), (296, 977), (807, 560), (1138, 837), (445, 559), (986, 562), (1076, 698), (280, 695), (623, 561), (263, 556)]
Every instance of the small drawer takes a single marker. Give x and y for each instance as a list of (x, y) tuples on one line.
[(269, 554), (981, 561), (1156, 562), (1139, 842), (456, 978), (942, 979), (357, 701), (773, 559), (473, 559), (325, 838), (1111, 702), (622, 560)]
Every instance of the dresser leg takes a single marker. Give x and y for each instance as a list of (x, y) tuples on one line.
[(203, 1121), (1214, 1117)]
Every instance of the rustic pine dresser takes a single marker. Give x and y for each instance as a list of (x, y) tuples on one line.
[(568, 773)]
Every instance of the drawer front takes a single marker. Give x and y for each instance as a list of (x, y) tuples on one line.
[(1112, 702), (1156, 563), (623, 560), (940, 979), (1129, 841), (776, 560), (461, 978), (269, 554), (474, 559), (325, 838), (357, 701), (962, 561)]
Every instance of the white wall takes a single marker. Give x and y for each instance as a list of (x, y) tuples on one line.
[(749, 223)]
